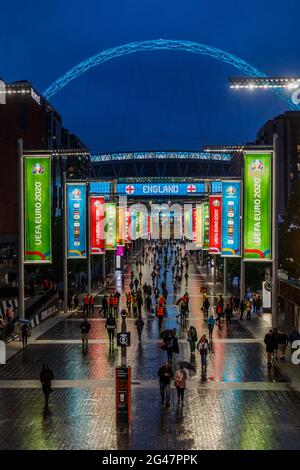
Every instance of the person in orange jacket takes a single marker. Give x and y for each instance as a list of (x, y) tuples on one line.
[(116, 305), (86, 303), (91, 304), (160, 311)]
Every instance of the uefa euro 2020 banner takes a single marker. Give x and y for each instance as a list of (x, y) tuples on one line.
[(97, 225), (37, 209), (76, 221), (257, 206), (215, 224), (110, 226), (231, 195)]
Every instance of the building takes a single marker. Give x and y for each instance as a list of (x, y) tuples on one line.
[(24, 113), (287, 126)]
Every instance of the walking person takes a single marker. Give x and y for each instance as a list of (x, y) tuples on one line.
[(192, 338), (248, 309), (172, 345), (24, 334), (282, 344), (139, 326), (269, 342), (219, 314), (111, 327), (203, 348), (211, 324), (186, 278), (160, 311), (228, 315), (165, 374), (104, 307), (91, 304), (46, 377), (180, 379), (86, 303), (85, 327)]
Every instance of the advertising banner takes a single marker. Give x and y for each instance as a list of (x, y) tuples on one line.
[(76, 220), (205, 225), (257, 206), (110, 226), (199, 225), (215, 224), (188, 228), (97, 225), (160, 189), (37, 209), (231, 195)]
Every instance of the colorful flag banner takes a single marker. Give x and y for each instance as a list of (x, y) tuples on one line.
[(37, 209), (76, 220), (231, 233), (110, 226), (97, 225), (205, 221), (257, 206)]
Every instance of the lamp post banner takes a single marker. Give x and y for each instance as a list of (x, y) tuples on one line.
[(205, 215), (110, 226), (215, 224), (97, 225), (76, 220), (37, 209), (257, 206), (231, 208)]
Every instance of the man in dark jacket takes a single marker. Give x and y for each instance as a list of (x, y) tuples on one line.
[(139, 326), (46, 376), (85, 327), (270, 346), (165, 374)]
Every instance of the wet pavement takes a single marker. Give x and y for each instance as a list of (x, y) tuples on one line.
[(242, 405)]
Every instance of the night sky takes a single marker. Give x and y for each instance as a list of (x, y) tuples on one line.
[(159, 99)]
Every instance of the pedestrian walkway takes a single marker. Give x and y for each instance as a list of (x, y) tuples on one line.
[(241, 405)]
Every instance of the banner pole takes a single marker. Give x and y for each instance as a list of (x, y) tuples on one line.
[(225, 260), (274, 236), (21, 283), (242, 228), (65, 245), (89, 267)]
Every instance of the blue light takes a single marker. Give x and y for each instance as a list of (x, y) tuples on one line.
[(99, 187), (161, 44)]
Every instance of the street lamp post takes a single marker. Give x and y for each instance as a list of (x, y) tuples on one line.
[(21, 282), (65, 244), (275, 235)]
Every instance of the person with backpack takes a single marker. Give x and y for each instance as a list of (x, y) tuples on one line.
[(85, 327), (205, 308), (211, 324), (203, 348), (180, 379), (192, 339), (165, 374), (111, 327)]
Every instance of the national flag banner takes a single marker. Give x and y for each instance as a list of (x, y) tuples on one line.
[(97, 216), (231, 233), (257, 206), (110, 226), (76, 220), (121, 225), (205, 225), (37, 205), (215, 224), (133, 223)]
